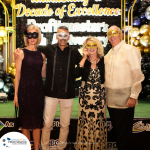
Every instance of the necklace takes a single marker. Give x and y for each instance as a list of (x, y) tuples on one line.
[(92, 61)]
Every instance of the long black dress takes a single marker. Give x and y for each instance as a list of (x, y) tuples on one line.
[(31, 91)]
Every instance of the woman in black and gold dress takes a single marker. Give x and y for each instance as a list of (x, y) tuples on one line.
[(92, 129)]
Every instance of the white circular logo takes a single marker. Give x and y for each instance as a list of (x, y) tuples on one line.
[(14, 141)]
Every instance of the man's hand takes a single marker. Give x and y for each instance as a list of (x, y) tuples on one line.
[(131, 102), (17, 53)]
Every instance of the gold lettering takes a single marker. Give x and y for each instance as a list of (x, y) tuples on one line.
[(89, 11), (19, 6), (27, 13), (117, 12), (93, 8), (44, 10), (32, 12), (84, 11), (107, 11), (62, 12), (57, 11), (100, 12), (85, 3), (50, 12), (111, 11), (37, 12), (70, 6)]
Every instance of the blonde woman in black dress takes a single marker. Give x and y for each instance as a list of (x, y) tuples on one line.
[(29, 92), (92, 129)]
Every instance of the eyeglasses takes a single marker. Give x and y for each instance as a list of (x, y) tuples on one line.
[(62, 35), (91, 45), (33, 35), (113, 33)]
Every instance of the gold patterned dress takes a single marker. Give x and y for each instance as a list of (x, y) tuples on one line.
[(92, 129)]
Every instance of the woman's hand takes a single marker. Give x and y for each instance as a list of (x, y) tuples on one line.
[(85, 53), (15, 102)]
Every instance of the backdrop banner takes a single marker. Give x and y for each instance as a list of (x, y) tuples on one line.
[(140, 133)]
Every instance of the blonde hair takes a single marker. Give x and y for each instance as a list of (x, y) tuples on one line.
[(30, 27), (100, 49)]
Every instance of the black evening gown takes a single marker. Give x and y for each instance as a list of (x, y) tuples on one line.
[(31, 91)]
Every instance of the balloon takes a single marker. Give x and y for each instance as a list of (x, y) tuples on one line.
[(8, 80), (13, 80), (145, 29), (1, 83), (132, 40), (128, 2), (142, 15), (13, 65), (9, 69), (140, 10), (147, 13), (1, 41), (5, 40), (136, 21), (9, 89), (134, 32), (145, 40), (143, 5), (138, 37), (148, 60), (13, 72), (144, 21), (145, 66), (7, 1), (3, 32), (146, 50), (145, 72), (7, 74), (136, 43), (147, 89), (143, 94), (2, 74)]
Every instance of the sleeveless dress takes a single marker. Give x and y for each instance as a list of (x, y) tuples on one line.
[(31, 91), (92, 128)]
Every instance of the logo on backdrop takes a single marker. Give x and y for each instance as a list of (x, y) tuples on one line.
[(7, 124), (53, 144), (1, 125), (14, 141), (109, 125), (111, 146), (140, 127)]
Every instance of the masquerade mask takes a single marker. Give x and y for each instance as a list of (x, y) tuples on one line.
[(91, 45), (62, 35), (33, 35), (113, 33)]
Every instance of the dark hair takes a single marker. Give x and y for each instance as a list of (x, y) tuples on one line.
[(63, 27)]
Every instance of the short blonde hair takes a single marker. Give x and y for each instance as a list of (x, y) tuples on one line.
[(100, 49), (30, 27)]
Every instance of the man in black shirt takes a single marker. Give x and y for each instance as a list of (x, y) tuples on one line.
[(59, 86)]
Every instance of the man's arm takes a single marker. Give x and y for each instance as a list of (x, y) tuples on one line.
[(134, 58)]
